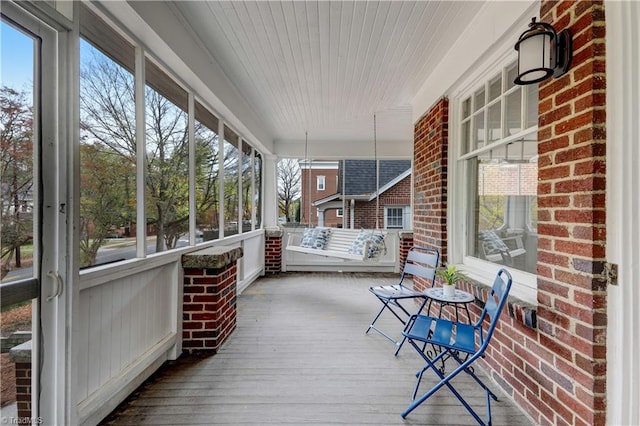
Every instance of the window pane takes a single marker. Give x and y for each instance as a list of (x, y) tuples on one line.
[(478, 131), (19, 243), (17, 177), (506, 193), (247, 171), (493, 122), (512, 73), (207, 175), (513, 106), (290, 190), (257, 195), (495, 87), (465, 136), (107, 159), (231, 177), (466, 108), (478, 99), (394, 217), (167, 156), (532, 105)]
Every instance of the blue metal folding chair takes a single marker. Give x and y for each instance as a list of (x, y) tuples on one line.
[(457, 341), (421, 262)]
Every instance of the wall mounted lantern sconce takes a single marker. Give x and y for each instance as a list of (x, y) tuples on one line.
[(542, 53)]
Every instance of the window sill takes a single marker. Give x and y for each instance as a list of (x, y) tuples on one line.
[(521, 311)]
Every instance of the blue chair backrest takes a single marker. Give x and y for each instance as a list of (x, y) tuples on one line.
[(421, 262), (495, 302)]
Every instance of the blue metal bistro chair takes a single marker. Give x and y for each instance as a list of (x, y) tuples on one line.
[(421, 262), (464, 343)]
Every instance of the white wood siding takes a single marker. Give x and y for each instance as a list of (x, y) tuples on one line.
[(122, 323)]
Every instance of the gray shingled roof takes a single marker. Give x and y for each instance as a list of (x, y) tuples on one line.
[(361, 174)]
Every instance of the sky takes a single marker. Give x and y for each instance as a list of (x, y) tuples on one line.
[(16, 58)]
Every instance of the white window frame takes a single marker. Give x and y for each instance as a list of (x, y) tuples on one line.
[(339, 213), (460, 200), (406, 216), (320, 183)]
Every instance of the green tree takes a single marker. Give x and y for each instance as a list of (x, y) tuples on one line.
[(108, 117), (101, 209), (16, 169), (289, 187)]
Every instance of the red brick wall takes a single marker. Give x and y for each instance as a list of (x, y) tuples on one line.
[(570, 361), (406, 242), (557, 371), (398, 195), (273, 254), (23, 390), (330, 187), (430, 180), (209, 307)]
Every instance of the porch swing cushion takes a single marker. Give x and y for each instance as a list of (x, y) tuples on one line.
[(315, 238), (375, 240)]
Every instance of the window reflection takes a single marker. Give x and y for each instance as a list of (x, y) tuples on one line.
[(506, 206)]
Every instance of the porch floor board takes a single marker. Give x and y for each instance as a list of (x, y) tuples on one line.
[(299, 355)]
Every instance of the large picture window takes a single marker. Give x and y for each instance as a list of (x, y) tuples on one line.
[(498, 131)]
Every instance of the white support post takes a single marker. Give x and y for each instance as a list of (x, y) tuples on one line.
[(141, 149)]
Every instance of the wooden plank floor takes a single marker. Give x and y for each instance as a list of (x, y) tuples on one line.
[(299, 355)]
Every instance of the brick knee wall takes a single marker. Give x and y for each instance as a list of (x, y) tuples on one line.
[(209, 300), (406, 242), (209, 308), (273, 251), (273, 255)]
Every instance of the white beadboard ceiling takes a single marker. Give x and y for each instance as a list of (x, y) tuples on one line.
[(326, 67)]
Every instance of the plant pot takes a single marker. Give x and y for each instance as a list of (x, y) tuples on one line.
[(448, 290)]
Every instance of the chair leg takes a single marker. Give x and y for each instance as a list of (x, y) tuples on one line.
[(470, 372), (386, 304), (424, 302), (445, 381)]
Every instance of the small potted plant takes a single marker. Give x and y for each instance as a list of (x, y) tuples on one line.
[(450, 276)]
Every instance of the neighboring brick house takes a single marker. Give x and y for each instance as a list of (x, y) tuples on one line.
[(355, 199), (319, 178)]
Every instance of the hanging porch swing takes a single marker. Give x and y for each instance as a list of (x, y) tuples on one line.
[(343, 243)]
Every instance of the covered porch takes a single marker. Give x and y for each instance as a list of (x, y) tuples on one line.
[(300, 355), (439, 77)]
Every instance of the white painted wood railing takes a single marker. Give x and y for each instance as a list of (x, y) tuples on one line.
[(130, 321)]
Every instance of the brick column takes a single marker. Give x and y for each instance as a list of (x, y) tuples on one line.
[(209, 304), (406, 242), (572, 302), (21, 356), (430, 147), (273, 250)]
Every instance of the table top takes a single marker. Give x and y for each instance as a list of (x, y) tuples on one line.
[(436, 293)]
